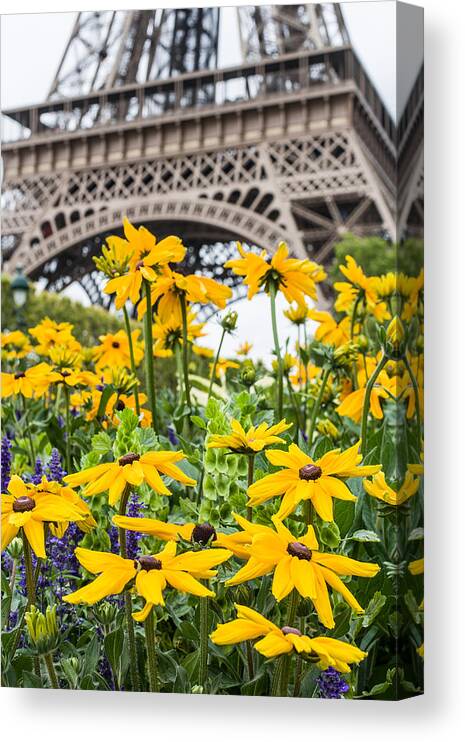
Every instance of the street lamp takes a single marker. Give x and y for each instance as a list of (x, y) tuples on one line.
[(20, 290)]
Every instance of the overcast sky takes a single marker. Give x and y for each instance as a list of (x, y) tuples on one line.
[(32, 45)]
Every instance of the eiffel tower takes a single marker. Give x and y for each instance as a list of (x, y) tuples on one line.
[(294, 143)]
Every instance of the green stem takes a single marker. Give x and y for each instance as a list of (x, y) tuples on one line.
[(150, 645), (128, 601), (212, 376), (6, 608), (352, 330), (276, 684), (131, 356), (51, 671), (317, 405), (148, 340), (31, 591), (28, 431), (366, 403), (203, 667), (279, 404), (417, 402), (250, 667), (296, 406), (185, 348), (68, 430), (250, 471)]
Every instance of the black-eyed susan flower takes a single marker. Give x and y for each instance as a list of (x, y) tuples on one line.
[(151, 575), (250, 625), (198, 533), (26, 507), (50, 335), (146, 253), (33, 382), (221, 366), (114, 350), (358, 285), (244, 349), (299, 564), (171, 286), (330, 331), (417, 567), (302, 478), (379, 488), (131, 469), (352, 403), (168, 335), (295, 278), (15, 345), (298, 315), (251, 441), (88, 522)]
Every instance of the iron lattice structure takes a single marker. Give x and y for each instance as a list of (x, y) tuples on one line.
[(292, 144)]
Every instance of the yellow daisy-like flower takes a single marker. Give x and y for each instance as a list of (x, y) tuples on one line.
[(252, 441), (198, 533), (113, 350), (26, 507), (33, 382), (131, 469), (244, 349), (15, 345), (352, 404), (298, 314), (304, 374), (417, 567), (329, 331), (202, 351), (305, 479), (379, 488), (152, 575), (299, 564), (222, 366), (168, 334), (358, 283), (250, 625), (50, 335), (145, 253), (295, 278), (44, 487), (170, 286)]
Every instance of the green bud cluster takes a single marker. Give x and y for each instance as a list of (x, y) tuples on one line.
[(42, 630)]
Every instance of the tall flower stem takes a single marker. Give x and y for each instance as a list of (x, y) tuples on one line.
[(127, 600), (317, 404), (51, 671), (296, 408), (8, 601), (185, 349), (68, 429), (250, 471), (148, 340), (293, 603), (299, 665), (215, 363), (276, 683), (417, 401), (353, 320), (366, 403), (131, 356), (279, 403), (203, 665), (30, 588), (28, 431), (150, 645)]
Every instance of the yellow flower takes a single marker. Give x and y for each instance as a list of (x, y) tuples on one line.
[(295, 278), (417, 567), (145, 253), (28, 508), (326, 427), (33, 382), (244, 349), (50, 334), (152, 574), (203, 352), (255, 439), (222, 366), (329, 331), (16, 344), (395, 332), (168, 334), (352, 404), (113, 350), (379, 488), (288, 363), (131, 469), (305, 479), (298, 314), (358, 283), (170, 286), (44, 487), (238, 543), (304, 374), (299, 564), (250, 625)]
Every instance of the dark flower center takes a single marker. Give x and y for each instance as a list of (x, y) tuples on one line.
[(148, 563), (291, 630), (115, 344), (296, 549), (202, 533), (128, 458), (310, 472), (120, 406), (20, 375), (139, 265), (65, 374), (23, 504)]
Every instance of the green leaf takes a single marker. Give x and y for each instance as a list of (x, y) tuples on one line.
[(102, 443), (106, 394), (30, 680), (199, 422), (366, 536), (373, 609)]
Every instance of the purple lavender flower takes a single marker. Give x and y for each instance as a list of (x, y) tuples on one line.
[(331, 684), (55, 469), (135, 510), (5, 460), (39, 471), (172, 437)]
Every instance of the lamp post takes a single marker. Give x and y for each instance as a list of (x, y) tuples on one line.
[(20, 289)]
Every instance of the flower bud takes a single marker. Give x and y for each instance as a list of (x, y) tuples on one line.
[(345, 355), (362, 343), (229, 321), (42, 629), (420, 344), (326, 427), (203, 533), (248, 373), (16, 548), (395, 332)]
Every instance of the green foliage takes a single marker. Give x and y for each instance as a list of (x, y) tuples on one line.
[(376, 256)]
